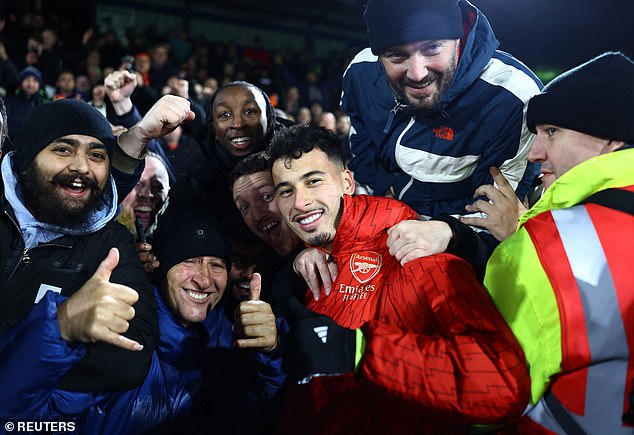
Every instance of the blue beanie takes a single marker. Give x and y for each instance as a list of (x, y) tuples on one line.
[(595, 98), (396, 22), (30, 71), (50, 121)]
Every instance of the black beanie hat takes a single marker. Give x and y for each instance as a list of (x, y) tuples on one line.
[(395, 22), (595, 98), (185, 234), (50, 121)]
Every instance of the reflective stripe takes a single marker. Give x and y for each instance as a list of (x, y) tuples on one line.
[(607, 375)]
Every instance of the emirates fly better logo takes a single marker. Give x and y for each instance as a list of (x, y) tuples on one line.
[(365, 265)]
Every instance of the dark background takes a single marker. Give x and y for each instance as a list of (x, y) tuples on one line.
[(544, 34)]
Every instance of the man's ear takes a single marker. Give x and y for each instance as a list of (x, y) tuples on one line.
[(612, 145), (348, 182)]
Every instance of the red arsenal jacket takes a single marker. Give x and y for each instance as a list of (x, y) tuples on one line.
[(438, 354)]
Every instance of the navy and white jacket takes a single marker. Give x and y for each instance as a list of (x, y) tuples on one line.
[(435, 159)]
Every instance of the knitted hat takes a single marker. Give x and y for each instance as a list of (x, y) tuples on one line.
[(595, 98), (30, 71), (395, 22), (50, 121), (184, 234)]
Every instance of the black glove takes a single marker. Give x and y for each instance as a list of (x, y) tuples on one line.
[(317, 345)]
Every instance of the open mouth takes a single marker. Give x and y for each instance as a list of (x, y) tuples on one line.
[(270, 226), (309, 221), (75, 188), (241, 141)]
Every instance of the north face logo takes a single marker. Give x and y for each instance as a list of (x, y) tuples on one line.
[(443, 132), (365, 265)]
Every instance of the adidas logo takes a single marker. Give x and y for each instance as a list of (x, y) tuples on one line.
[(322, 333)]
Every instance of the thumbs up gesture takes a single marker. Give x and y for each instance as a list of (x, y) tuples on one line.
[(254, 321), (100, 310)]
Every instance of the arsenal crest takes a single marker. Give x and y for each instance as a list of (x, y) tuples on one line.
[(365, 265)]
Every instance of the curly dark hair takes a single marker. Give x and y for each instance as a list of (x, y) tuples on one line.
[(291, 142)]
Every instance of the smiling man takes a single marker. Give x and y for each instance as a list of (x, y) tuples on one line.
[(433, 104), (393, 347), (194, 334), (76, 304), (254, 196)]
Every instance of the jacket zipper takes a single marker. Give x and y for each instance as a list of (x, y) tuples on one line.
[(397, 106), (26, 257)]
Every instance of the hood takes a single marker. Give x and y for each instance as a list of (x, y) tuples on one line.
[(476, 50)]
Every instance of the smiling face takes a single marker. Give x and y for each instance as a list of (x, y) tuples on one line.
[(560, 149), (247, 259), (254, 195), (419, 73), (309, 195), (239, 120), (193, 287), (150, 192), (65, 180)]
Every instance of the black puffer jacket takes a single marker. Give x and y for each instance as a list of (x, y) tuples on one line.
[(67, 263)]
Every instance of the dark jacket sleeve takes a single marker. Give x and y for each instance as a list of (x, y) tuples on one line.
[(107, 367)]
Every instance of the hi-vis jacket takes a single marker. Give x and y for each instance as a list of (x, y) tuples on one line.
[(435, 159), (563, 283), (438, 355)]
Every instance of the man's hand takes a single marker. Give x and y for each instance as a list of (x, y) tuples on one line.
[(119, 87), (317, 345), (100, 310), (313, 265), (148, 259), (163, 117), (503, 208), (410, 239), (254, 321)]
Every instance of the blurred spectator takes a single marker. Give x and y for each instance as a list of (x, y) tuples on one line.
[(316, 109), (8, 71), (328, 121), (304, 115), (343, 131), (162, 67), (83, 87), (28, 95), (258, 53), (291, 100), (65, 86), (110, 49), (181, 47), (98, 96), (51, 56)]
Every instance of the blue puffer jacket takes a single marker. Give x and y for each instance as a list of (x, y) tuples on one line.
[(166, 400), (435, 159), (161, 404)]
